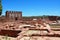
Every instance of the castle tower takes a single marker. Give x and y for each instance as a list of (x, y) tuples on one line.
[(0, 7)]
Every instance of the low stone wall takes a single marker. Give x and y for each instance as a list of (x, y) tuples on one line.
[(40, 38), (7, 38)]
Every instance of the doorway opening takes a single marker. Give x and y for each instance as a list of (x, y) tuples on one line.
[(16, 18)]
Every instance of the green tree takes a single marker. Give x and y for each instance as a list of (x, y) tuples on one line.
[(0, 7)]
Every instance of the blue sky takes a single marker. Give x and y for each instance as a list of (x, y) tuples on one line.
[(32, 7)]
